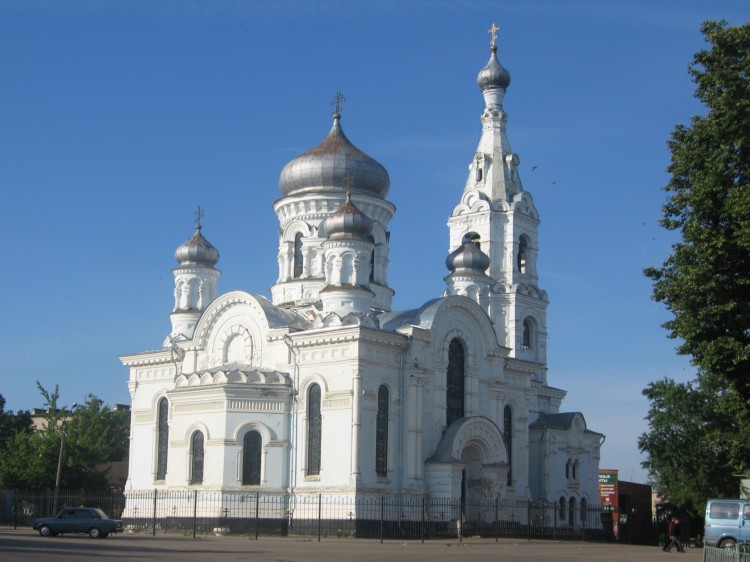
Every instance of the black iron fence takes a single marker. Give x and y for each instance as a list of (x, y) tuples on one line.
[(201, 512)]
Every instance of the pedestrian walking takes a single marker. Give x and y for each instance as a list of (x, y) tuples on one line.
[(673, 532)]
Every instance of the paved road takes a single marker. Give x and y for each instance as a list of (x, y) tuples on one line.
[(25, 544)]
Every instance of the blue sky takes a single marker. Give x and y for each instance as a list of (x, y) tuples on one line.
[(118, 118)]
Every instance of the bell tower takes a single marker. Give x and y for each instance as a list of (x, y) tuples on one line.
[(500, 218)]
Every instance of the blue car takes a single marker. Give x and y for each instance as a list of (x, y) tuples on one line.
[(91, 521)]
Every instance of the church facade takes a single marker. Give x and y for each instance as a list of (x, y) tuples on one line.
[(324, 389)]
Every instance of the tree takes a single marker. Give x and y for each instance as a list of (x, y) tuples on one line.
[(705, 282), (94, 434), (11, 424), (696, 443)]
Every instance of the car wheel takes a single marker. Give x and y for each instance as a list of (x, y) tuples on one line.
[(729, 544), (94, 532), (45, 531)]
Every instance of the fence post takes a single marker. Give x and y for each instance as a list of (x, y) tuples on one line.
[(153, 519), (528, 519), (257, 501), (15, 509), (497, 523), (422, 519), (320, 500), (554, 522), (382, 516), (195, 511)]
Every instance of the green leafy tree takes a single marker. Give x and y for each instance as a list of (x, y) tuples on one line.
[(705, 282), (94, 434), (697, 440), (11, 424)]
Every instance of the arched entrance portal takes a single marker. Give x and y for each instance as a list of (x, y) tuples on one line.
[(473, 455)]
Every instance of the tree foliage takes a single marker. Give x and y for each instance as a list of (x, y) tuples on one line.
[(697, 440), (11, 424), (705, 282), (93, 433)]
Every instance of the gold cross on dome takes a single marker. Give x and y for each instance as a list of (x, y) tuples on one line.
[(348, 181), (493, 31), (198, 217), (337, 100)]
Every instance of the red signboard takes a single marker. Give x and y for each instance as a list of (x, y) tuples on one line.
[(608, 490)]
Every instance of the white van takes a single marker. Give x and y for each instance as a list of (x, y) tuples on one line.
[(727, 522)]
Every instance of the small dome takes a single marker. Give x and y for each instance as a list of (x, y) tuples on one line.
[(197, 251), (493, 75), (332, 166), (348, 221), (468, 257)]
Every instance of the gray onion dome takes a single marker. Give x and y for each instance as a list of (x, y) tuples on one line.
[(326, 168), (197, 251), (348, 222), (493, 75), (467, 257)]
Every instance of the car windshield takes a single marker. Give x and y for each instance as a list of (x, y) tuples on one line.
[(101, 514)]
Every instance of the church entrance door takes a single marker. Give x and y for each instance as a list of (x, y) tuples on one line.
[(474, 488)]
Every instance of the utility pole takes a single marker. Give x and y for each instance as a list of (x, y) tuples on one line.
[(59, 468)]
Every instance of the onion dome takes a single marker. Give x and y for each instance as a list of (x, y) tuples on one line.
[(197, 251), (330, 166), (468, 257), (348, 222), (494, 75)]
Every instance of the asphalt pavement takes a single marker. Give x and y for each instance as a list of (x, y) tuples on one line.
[(25, 544)]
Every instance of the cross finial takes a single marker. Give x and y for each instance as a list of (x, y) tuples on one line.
[(337, 100), (348, 183), (493, 32), (198, 216)]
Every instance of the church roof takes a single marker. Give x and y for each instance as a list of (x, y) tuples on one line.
[(563, 420), (348, 222), (279, 317), (196, 250), (493, 75), (468, 257), (335, 165), (422, 316)]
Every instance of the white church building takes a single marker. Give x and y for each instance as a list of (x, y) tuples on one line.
[(324, 389)]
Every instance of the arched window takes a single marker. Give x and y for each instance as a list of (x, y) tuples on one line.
[(567, 470), (584, 507), (561, 510), (314, 430), (575, 469), (522, 257), (528, 333), (372, 259), (298, 260), (162, 445), (508, 437), (571, 512), (455, 379), (252, 449), (381, 433), (197, 454)]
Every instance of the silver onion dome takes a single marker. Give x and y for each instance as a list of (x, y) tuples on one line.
[(468, 257), (328, 167), (348, 222), (197, 251), (493, 75)]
